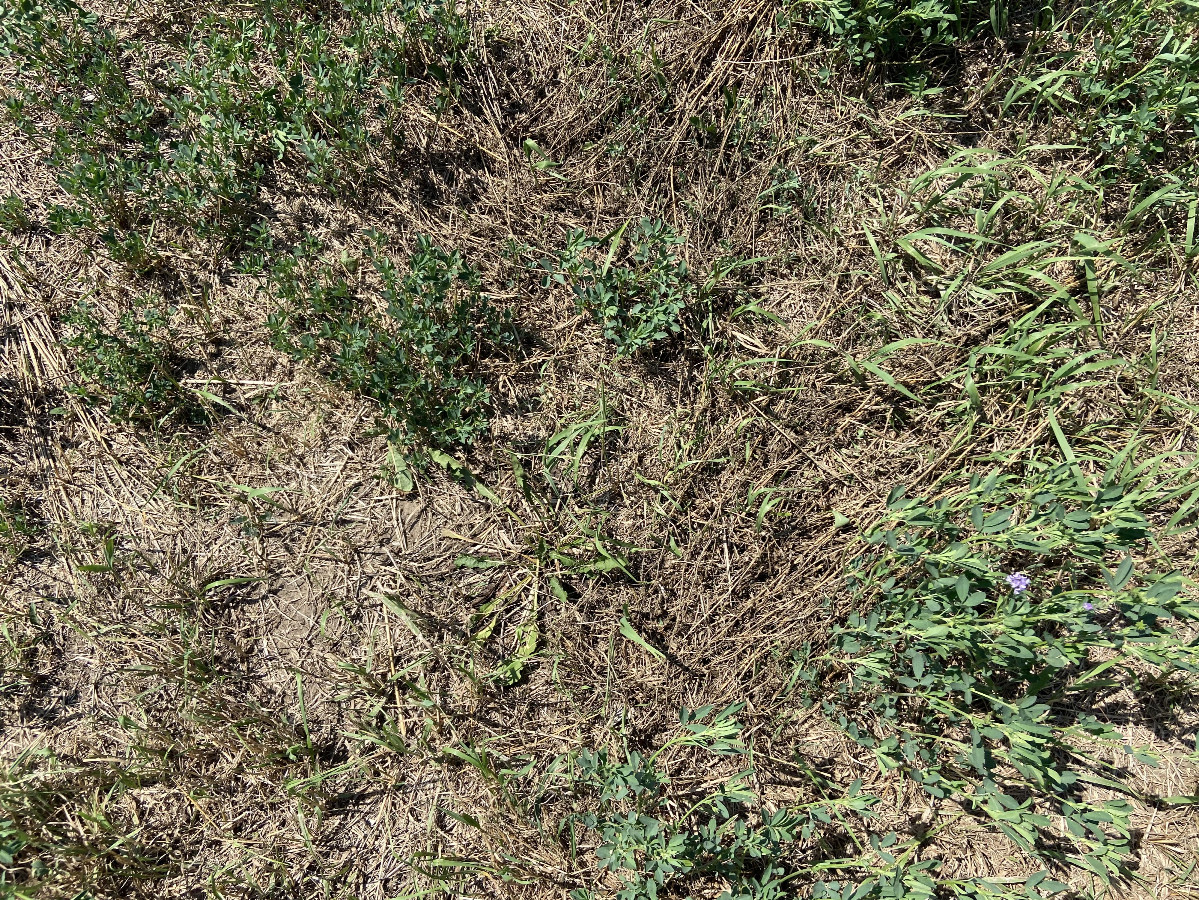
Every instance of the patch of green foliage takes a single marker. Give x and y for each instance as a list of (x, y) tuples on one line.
[(788, 195), (416, 358), (1128, 82), (987, 231), (11, 844), (147, 149), (876, 31), (13, 215), (659, 844), (982, 691), (74, 831), (740, 126), (14, 520), (654, 845), (133, 368), (638, 302)]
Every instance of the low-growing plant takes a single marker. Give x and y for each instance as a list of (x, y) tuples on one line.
[(417, 358), (638, 302), (788, 196), (656, 843), (993, 619), (74, 831), (1128, 81), (983, 231), (13, 520), (740, 126), (134, 368), (877, 31), (653, 845), (283, 86), (26, 649)]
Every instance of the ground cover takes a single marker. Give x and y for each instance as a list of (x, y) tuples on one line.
[(599, 450)]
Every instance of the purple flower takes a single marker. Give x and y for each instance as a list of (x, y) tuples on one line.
[(1088, 606), (1019, 582)]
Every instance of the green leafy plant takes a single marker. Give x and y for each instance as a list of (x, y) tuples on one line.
[(13, 216), (13, 520), (74, 831), (1128, 81), (133, 368), (788, 196), (660, 844), (886, 30), (652, 844), (983, 231), (284, 87), (992, 618), (417, 359), (639, 302)]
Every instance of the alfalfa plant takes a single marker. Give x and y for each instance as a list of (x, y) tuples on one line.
[(991, 620), (725, 844), (417, 357), (276, 89), (656, 845), (133, 368), (1126, 83), (879, 31), (639, 299)]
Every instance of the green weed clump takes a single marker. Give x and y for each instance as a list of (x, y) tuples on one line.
[(417, 358), (74, 831), (983, 232), (1128, 81), (13, 520), (639, 302), (284, 88), (13, 215), (995, 620), (654, 845), (878, 31), (133, 369), (659, 844)]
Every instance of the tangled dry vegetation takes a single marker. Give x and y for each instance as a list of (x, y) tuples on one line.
[(531, 450)]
